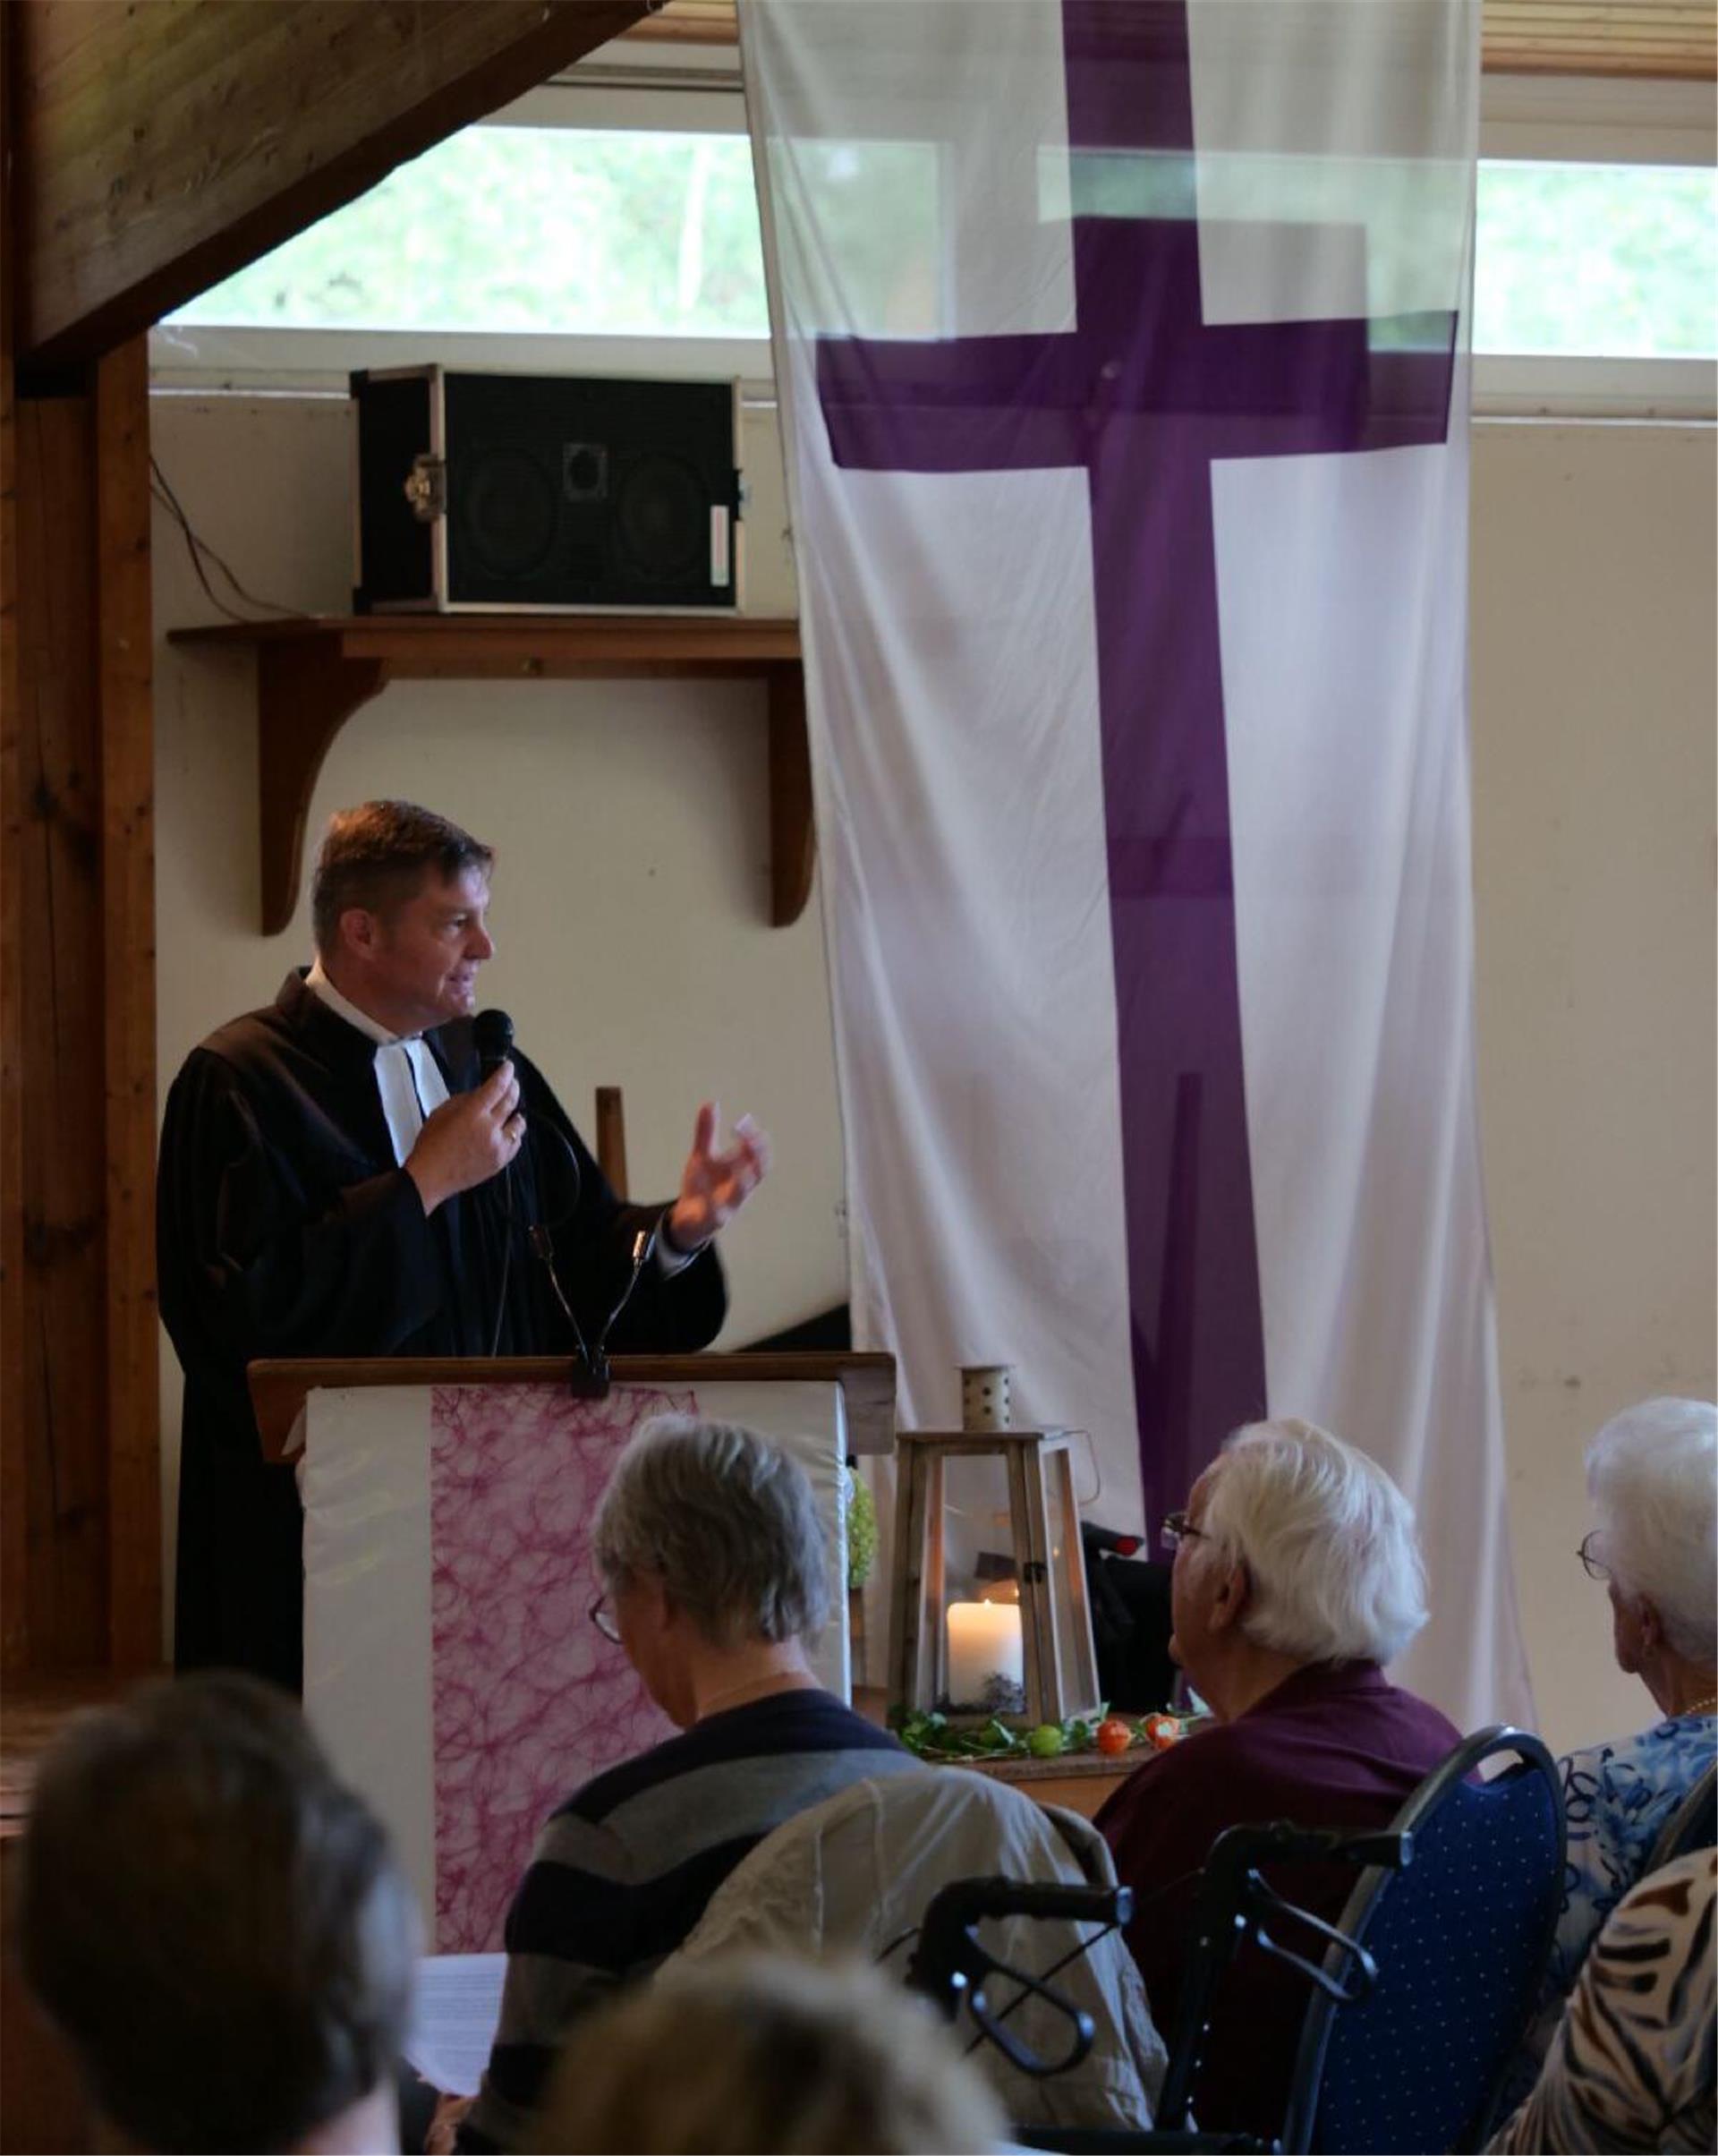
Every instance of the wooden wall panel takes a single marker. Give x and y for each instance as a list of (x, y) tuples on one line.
[(81, 1457), (14, 1524), (163, 147), (64, 1179), (125, 631)]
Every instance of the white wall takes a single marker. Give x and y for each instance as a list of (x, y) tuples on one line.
[(631, 909), (1593, 697)]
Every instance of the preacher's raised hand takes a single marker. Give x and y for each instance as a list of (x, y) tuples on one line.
[(714, 1185)]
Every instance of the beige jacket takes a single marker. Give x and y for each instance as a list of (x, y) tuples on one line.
[(852, 1875)]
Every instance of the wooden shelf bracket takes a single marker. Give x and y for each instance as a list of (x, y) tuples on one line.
[(314, 673), (306, 691)]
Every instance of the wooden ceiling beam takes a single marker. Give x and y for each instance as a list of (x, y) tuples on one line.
[(161, 145)]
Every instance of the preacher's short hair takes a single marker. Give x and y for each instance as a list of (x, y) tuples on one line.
[(765, 2053), (216, 1924), (1652, 1473), (378, 855), (725, 1520), (1328, 1541)]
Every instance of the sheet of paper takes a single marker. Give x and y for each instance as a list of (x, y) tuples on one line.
[(459, 2005)]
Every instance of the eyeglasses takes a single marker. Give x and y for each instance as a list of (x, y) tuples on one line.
[(600, 1615), (1175, 1529), (1590, 1565)]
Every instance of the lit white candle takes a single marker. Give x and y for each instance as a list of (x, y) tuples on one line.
[(984, 1643)]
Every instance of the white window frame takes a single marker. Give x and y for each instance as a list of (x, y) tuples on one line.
[(696, 90), (1579, 119)]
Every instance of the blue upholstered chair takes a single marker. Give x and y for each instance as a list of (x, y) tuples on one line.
[(1460, 1939)]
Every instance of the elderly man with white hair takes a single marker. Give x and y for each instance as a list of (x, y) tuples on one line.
[(1652, 1475), (1296, 1578)]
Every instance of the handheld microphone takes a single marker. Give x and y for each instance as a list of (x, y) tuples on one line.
[(492, 1037)]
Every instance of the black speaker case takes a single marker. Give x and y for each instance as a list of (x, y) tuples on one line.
[(427, 585)]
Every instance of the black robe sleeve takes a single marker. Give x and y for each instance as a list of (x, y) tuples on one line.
[(592, 1232), (259, 1256)]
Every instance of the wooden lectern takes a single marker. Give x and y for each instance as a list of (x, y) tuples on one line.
[(451, 1665)]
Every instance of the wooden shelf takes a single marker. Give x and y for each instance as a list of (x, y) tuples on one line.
[(314, 673)]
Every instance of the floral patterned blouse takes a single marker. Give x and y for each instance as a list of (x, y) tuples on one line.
[(1618, 1797)]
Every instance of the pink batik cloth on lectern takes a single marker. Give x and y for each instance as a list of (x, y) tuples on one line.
[(529, 1699)]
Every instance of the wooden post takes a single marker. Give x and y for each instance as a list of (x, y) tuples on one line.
[(611, 1137), (793, 830), (907, 1641), (64, 1177), (127, 869), (13, 1525), (81, 1452)]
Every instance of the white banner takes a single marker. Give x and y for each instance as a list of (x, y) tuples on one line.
[(1122, 348)]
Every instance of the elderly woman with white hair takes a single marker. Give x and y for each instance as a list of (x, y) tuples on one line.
[(710, 1549), (1652, 1475), (1297, 1577)]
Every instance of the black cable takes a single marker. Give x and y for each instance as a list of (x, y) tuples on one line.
[(538, 1235), (196, 561), (541, 1237), (1191, 1876), (912, 1931), (202, 546), (1073, 1952), (507, 1258), (542, 1249), (548, 1122), (198, 547)]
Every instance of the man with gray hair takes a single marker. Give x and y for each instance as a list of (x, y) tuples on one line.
[(712, 1556), (1296, 1577)]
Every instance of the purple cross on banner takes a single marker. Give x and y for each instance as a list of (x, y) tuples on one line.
[(1144, 396)]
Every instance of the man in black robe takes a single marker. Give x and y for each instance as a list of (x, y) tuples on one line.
[(338, 1177)]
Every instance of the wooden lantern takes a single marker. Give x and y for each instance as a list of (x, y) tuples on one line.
[(1004, 1630)]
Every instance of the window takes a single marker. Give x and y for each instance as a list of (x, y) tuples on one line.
[(527, 231), (607, 223), (1605, 261), (613, 226)]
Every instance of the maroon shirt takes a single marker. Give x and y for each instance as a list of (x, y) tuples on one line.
[(1331, 1746)]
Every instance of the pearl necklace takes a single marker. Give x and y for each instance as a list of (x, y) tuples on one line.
[(1704, 1706)]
